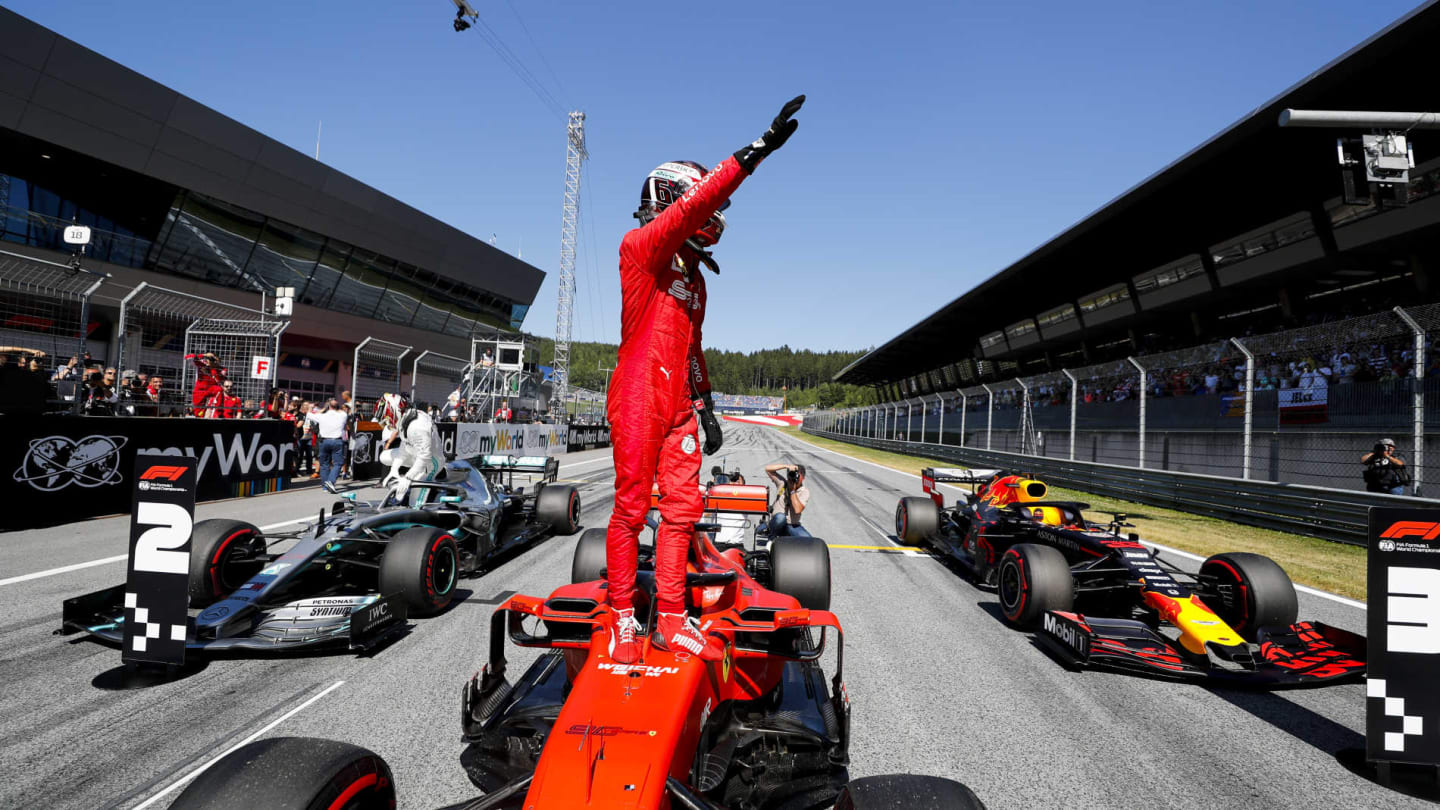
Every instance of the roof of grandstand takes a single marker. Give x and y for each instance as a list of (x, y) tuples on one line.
[(1256, 207)]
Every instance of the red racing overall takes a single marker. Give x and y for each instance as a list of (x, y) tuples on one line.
[(652, 419)]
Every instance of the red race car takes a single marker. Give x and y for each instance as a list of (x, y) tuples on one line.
[(761, 728)]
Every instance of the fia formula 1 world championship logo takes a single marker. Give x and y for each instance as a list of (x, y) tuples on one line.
[(56, 462)]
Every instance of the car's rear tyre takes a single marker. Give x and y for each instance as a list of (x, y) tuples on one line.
[(1251, 591), (559, 505), (1030, 580), (589, 559), (915, 520), (903, 790), (223, 554), (423, 564), (293, 773), (800, 567)]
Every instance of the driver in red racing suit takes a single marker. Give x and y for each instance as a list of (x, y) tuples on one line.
[(660, 383)]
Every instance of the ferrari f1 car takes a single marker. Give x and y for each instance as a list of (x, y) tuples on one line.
[(354, 576), (759, 729), (1100, 598)]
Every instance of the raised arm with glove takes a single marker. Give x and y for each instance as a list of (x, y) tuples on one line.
[(660, 383)]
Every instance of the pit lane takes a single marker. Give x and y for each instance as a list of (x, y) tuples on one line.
[(939, 684)]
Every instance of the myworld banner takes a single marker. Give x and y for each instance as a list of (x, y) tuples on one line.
[(464, 440)]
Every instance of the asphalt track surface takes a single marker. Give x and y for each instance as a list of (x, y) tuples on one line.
[(939, 684)]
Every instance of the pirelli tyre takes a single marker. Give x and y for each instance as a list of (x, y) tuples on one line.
[(896, 791), (589, 561), (293, 773), (1030, 580), (800, 567), (422, 563), (559, 505), (915, 520), (1249, 591), (223, 555)]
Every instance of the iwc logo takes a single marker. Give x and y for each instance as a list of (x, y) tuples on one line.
[(56, 462), (687, 445)]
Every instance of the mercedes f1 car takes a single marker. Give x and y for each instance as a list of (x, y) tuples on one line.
[(760, 729), (355, 576), (1100, 598)]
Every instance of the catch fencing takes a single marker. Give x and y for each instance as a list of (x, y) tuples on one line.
[(155, 335), (1300, 406), (247, 350), (434, 376), (376, 370), (46, 305)]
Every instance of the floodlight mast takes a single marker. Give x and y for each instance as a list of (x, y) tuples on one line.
[(575, 154)]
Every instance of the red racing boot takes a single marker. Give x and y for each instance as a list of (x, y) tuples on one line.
[(624, 648), (679, 631)]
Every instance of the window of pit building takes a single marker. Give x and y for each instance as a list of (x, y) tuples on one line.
[(1020, 328), (1056, 316), (993, 340), (1105, 298), (1173, 273)]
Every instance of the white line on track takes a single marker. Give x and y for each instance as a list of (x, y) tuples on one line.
[(253, 737), (65, 569), (1177, 552)]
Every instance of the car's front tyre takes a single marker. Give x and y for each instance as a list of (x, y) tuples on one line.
[(223, 555), (1032, 579), (422, 563), (293, 773)]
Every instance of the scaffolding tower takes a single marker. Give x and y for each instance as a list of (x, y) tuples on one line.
[(565, 297)]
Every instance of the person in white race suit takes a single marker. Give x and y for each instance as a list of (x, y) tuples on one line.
[(411, 440)]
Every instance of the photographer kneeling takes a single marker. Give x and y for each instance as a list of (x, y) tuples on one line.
[(1384, 469), (795, 496)]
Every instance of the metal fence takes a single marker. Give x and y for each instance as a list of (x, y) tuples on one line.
[(153, 326), (1331, 514), (1300, 406), (247, 349), (376, 370), (434, 376), (46, 306)]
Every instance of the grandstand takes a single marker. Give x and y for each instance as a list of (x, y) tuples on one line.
[(747, 403), (1246, 234), (1246, 246)]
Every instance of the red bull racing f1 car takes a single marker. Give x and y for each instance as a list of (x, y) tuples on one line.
[(1100, 598), (760, 729)]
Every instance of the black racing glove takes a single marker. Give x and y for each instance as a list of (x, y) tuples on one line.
[(713, 437), (775, 137)]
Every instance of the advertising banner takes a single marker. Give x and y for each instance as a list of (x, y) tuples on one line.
[(65, 468), (157, 590), (587, 437), (464, 440), (1402, 710)]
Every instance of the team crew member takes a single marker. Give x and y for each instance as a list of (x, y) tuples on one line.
[(419, 444), (330, 425), (209, 394), (503, 413), (793, 493), (661, 381)]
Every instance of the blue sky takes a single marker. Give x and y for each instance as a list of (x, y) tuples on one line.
[(940, 142)]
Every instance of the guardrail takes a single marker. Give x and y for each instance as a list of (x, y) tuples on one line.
[(1329, 514)]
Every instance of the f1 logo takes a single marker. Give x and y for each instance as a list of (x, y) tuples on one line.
[(1413, 602), (167, 473), (1412, 528)]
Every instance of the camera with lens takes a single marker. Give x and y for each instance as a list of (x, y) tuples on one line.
[(792, 478), (1379, 449)]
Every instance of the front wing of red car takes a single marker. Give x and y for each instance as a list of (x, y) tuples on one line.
[(1303, 654)]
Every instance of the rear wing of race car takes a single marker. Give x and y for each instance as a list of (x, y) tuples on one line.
[(930, 476), (748, 499), (548, 466)]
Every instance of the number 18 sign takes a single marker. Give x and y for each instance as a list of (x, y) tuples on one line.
[(157, 585)]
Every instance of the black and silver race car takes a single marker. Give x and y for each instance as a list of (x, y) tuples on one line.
[(354, 576), (1098, 597)]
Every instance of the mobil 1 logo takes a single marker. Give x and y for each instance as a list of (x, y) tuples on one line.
[(162, 515), (1402, 711)]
